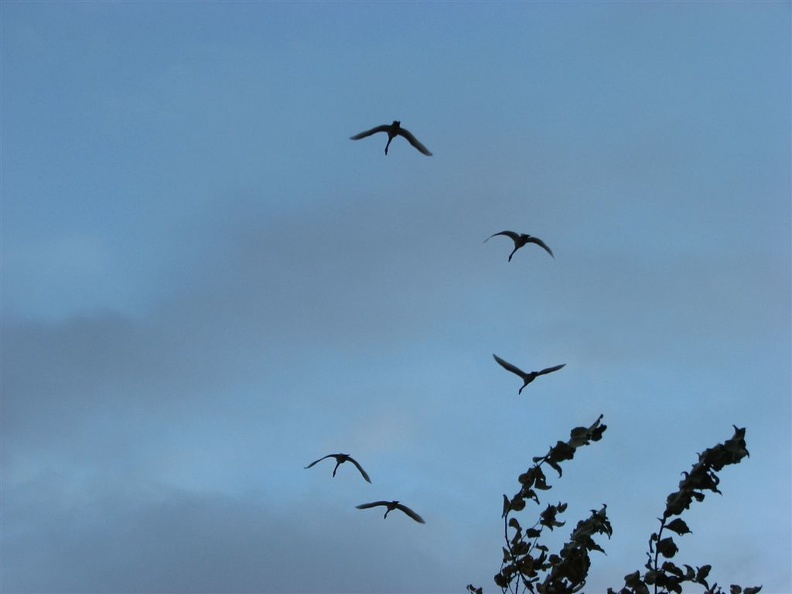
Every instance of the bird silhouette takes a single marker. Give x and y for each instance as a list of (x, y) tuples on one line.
[(340, 459), (526, 377), (391, 505), (393, 131), (521, 239)]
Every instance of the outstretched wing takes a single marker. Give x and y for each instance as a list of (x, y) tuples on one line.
[(509, 367), (360, 468), (410, 513), (514, 236), (414, 141), (319, 460), (372, 504), (541, 244), (550, 369), (383, 128)]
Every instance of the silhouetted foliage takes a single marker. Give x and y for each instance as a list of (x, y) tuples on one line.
[(529, 566), (663, 575)]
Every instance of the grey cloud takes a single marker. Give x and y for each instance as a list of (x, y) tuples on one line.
[(169, 541)]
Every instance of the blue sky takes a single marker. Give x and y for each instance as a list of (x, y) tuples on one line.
[(206, 286)]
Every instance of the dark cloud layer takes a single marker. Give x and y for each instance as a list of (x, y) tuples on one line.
[(159, 540)]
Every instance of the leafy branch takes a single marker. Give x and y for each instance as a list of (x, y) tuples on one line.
[(528, 566), (525, 561), (662, 574)]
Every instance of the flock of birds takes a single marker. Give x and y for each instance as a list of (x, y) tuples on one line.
[(520, 240)]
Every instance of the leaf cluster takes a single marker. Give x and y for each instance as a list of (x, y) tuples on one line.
[(662, 574), (530, 565)]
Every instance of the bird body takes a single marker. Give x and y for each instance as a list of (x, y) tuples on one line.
[(522, 239), (340, 459), (391, 505), (393, 130), (527, 378)]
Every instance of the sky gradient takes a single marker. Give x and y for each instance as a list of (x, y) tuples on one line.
[(206, 286)]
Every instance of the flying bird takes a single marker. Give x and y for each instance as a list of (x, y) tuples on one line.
[(340, 459), (391, 505), (526, 377), (521, 239), (393, 130)]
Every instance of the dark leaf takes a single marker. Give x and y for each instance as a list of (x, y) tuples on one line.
[(533, 533), (520, 548), (526, 479), (635, 582), (667, 548), (555, 466), (540, 482), (702, 573), (593, 546), (501, 581), (561, 451), (676, 503), (679, 526), (579, 436), (529, 494), (517, 504), (526, 566), (548, 516), (596, 434), (632, 578), (669, 567), (651, 576)]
